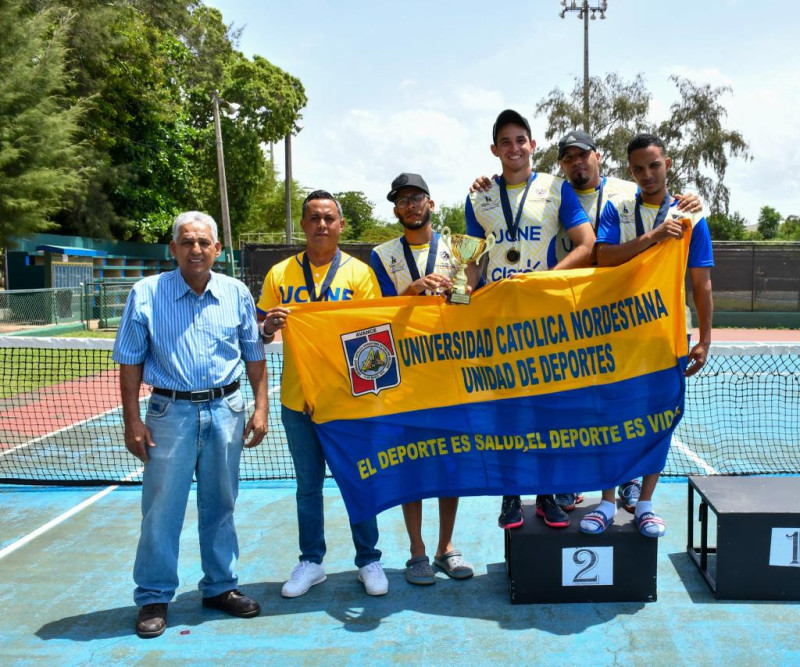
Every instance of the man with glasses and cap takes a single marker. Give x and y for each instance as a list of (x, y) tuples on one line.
[(524, 210), (322, 272), (418, 263)]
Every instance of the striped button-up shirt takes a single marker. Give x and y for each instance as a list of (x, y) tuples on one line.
[(186, 341)]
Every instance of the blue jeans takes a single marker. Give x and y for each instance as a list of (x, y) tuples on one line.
[(309, 467), (202, 439)]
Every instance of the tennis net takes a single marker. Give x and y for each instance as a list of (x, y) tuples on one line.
[(61, 416), (61, 419)]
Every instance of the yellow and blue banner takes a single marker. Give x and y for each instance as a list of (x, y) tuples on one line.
[(550, 382)]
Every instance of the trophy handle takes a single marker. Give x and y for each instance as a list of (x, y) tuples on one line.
[(445, 234), (490, 241)]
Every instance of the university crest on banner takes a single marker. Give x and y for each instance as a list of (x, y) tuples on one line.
[(372, 359)]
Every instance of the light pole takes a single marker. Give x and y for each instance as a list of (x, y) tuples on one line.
[(223, 189), (583, 8)]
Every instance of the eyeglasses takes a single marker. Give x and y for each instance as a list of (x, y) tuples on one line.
[(403, 202)]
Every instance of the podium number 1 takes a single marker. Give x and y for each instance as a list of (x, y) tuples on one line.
[(784, 548)]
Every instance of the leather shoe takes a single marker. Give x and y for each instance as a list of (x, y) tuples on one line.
[(152, 620), (234, 603)]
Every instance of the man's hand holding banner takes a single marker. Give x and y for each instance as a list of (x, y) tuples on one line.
[(549, 382)]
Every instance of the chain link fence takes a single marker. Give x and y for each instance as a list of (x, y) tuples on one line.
[(36, 307)]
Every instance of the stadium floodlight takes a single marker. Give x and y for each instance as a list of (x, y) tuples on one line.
[(583, 7)]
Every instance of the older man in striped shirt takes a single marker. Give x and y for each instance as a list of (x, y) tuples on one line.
[(185, 332)]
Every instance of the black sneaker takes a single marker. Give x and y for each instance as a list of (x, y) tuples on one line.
[(510, 513), (552, 514), (567, 501)]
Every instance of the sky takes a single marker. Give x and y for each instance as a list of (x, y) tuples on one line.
[(416, 86)]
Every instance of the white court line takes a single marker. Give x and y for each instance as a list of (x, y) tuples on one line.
[(61, 430), (63, 517), (710, 470)]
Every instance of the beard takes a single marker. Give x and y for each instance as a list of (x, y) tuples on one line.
[(418, 224), (581, 181)]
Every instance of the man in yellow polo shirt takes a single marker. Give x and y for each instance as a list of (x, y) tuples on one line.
[(322, 272)]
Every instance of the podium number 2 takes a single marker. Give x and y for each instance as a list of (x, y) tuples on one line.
[(588, 559), (582, 566)]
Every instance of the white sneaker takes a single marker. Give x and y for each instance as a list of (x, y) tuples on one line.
[(373, 578), (304, 575)]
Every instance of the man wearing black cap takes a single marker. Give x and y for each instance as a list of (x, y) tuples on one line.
[(524, 210), (581, 163), (413, 264)]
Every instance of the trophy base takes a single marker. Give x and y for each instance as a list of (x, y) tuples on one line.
[(457, 297)]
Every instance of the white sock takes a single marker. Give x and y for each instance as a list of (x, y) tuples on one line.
[(607, 508), (643, 506)]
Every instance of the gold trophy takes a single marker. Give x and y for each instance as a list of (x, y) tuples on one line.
[(464, 249)]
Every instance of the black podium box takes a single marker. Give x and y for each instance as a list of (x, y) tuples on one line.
[(752, 550), (549, 565)]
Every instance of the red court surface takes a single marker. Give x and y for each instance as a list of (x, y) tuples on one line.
[(752, 335)]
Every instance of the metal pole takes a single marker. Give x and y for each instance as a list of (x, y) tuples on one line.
[(586, 65), (288, 188), (223, 189)]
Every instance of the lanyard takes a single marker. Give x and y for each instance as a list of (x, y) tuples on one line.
[(326, 284), (512, 223), (430, 265), (599, 204), (660, 216)]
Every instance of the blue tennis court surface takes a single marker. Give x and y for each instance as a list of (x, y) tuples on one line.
[(67, 596), (66, 556)]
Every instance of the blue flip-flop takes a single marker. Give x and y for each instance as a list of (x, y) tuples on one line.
[(597, 522), (648, 520)]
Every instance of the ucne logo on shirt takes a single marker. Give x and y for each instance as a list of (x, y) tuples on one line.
[(292, 294), (527, 233)]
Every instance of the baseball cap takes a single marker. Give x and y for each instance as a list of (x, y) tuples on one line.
[(577, 138), (507, 117), (405, 180)]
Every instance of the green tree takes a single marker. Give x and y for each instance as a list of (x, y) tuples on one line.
[(769, 221), (790, 228), (699, 144), (358, 213), (694, 132), (40, 160), (268, 212), (724, 227), (148, 140), (618, 111), (451, 217), (379, 232)]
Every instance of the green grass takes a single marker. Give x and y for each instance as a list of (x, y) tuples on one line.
[(30, 369), (96, 333)]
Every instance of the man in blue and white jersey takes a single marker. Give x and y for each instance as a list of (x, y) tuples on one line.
[(414, 264), (524, 210), (581, 162), (628, 227)]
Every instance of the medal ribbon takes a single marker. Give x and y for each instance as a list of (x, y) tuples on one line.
[(430, 264), (512, 222), (660, 216), (326, 284)]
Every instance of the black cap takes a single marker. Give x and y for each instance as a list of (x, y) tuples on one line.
[(577, 138), (407, 181), (507, 117)]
